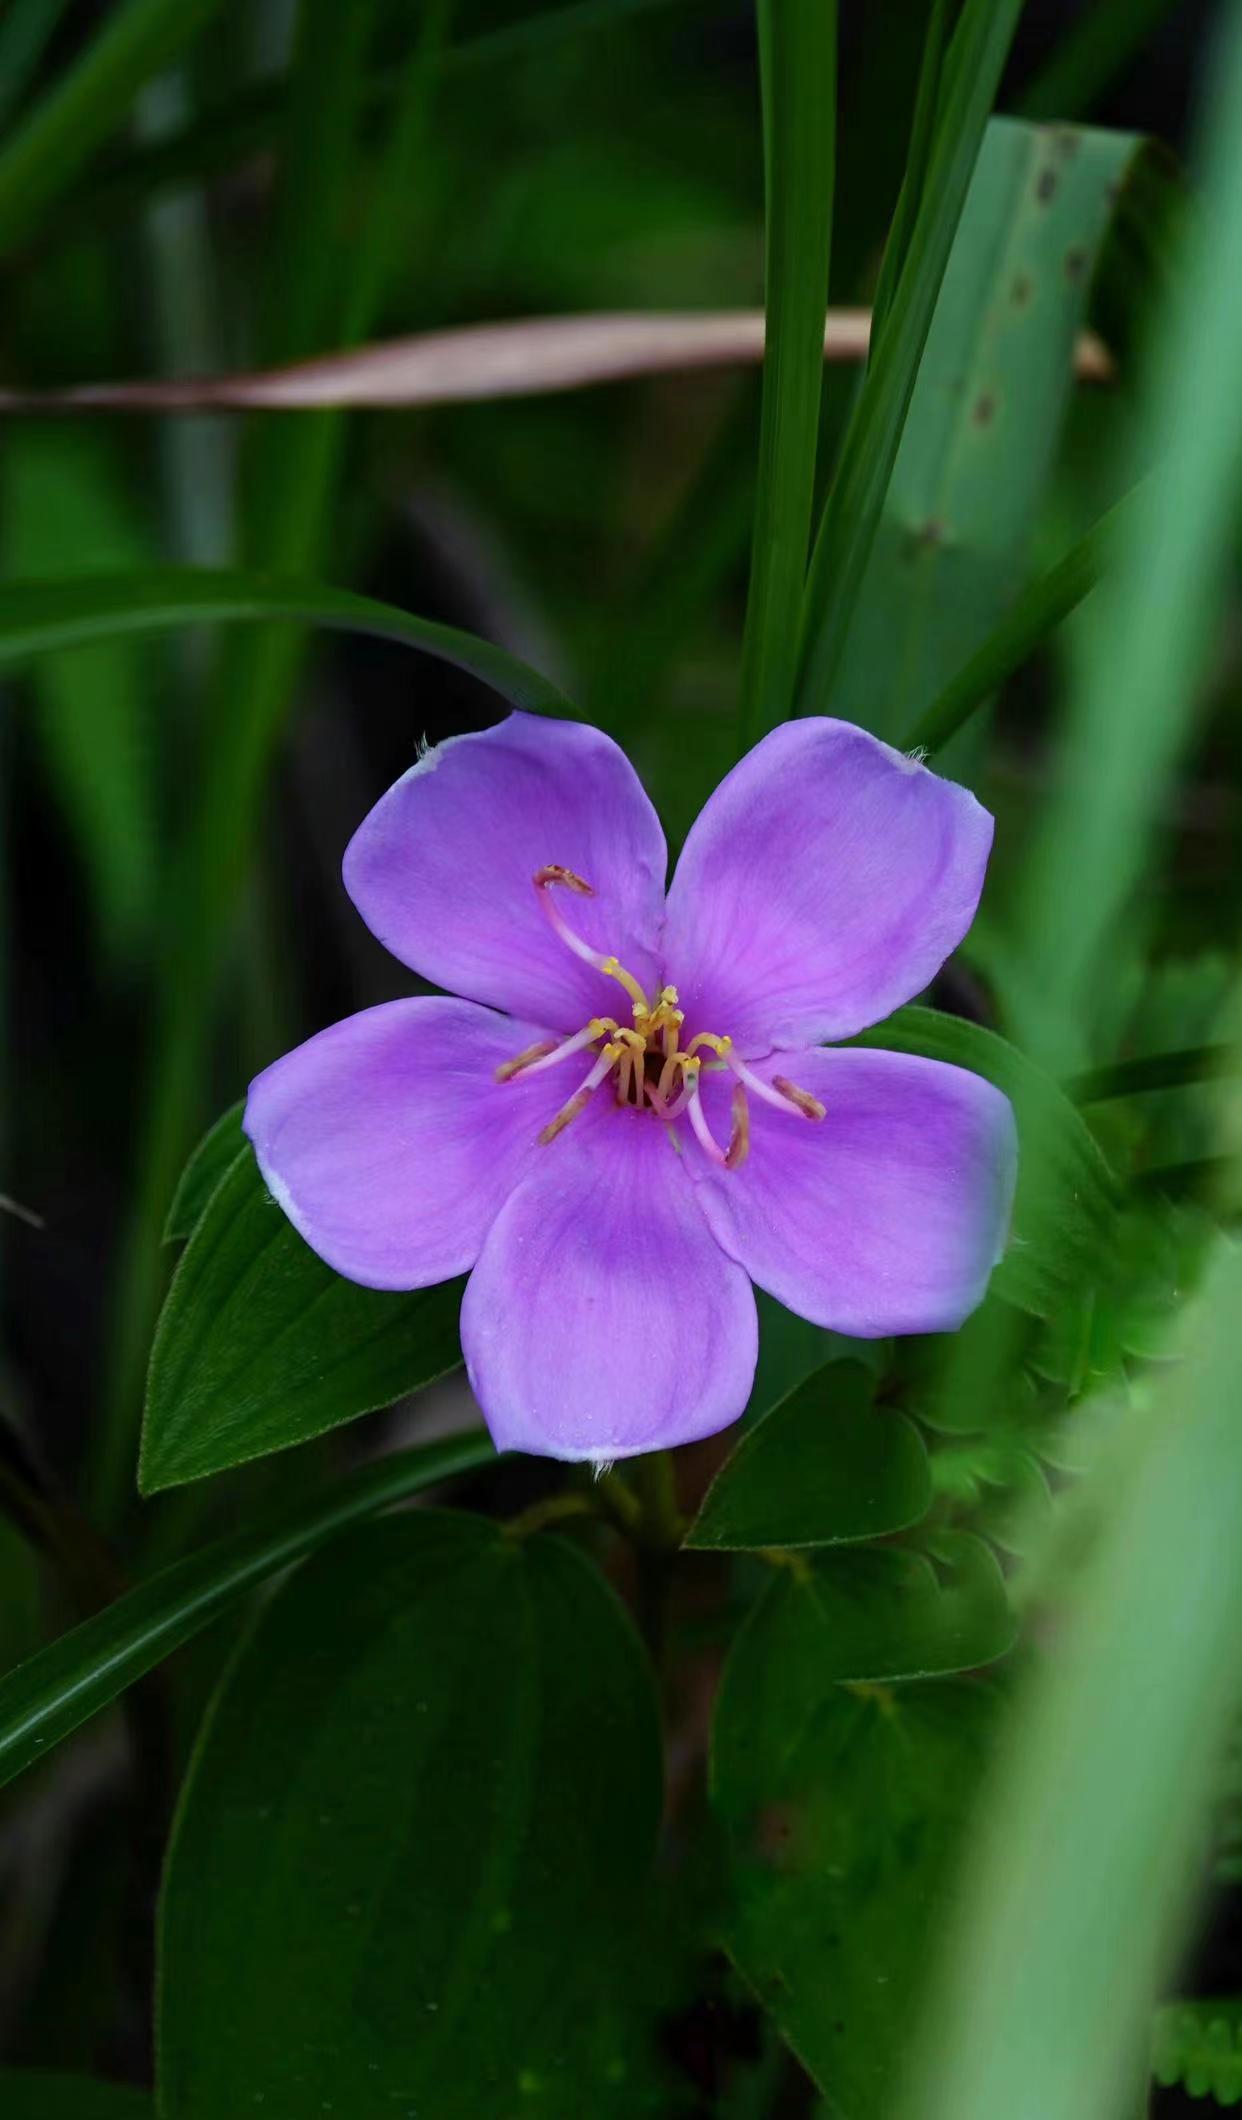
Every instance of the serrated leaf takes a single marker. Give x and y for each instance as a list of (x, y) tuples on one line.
[(260, 1345), (216, 1152), (1199, 2045), (842, 1831), (412, 1841), (1064, 1211), (823, 1467)]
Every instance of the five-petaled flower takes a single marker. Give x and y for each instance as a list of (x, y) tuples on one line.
[(635, 1114)]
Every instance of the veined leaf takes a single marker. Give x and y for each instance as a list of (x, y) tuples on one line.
[(822, 1468), (432, 1776), (841, 1831), (212, 1160), (1066, 1195), (63, 1685), (261, 1345)]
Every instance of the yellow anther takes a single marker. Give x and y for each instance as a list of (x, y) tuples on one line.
[(614, 969), (718, 1045), (602, 1026), (509, 1068), (668, 997)]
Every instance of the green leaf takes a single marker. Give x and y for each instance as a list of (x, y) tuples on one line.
[(1028, 622), (984, 420), (36, 616), (1065, 1205), (35, 2094), (212, 1159), (405, 1871), (260, 1345), (853, 510), (879, 1614), (798, 64), (841, 1829), (40, 160), (62, 1686), (822, 1468), (1199, 2044)]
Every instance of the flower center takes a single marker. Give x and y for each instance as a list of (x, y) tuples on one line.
[(650, 1068)]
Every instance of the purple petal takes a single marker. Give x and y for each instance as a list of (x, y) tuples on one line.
[(441, 870), (389, 1143), (885, 1216), (602, 1318), (825, 882)]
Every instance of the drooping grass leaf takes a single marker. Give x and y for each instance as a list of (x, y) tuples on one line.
[(798, 64), (260, 1345), (822, 1468), (48, 1697), (1066, 1197), (413, 1843), (41, 617)]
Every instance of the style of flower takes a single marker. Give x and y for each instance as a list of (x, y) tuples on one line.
[(636, 1114)]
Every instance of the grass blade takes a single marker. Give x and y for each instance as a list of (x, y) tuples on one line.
[(44, 155), (798, 58), (852, 513), (52, 1694), (40, 617)]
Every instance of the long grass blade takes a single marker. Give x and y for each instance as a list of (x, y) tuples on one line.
[(798, 60)]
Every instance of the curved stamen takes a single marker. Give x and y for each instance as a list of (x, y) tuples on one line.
[(739, 1139), (582, 1095), (781, 1093), (544, 880), (548, 1053)]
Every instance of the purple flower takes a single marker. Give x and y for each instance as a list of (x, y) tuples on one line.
[(634, 1115)]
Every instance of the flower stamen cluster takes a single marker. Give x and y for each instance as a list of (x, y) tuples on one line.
[(651, 1069)]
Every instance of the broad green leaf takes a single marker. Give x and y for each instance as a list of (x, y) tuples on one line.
[(984, 420), (38, 616), (67, 508), (825, 1466), (855, 503), (1064, 1210), (875, 1614), (61, 1687), (798, 67), (1199, 2045), (791, 1349), (841, 1829), (413, 1841), (41, 158), (37, 2094), (260, 1345), (212, 1159)]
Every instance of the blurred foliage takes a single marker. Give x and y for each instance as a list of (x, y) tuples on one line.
[(419, 1791)]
